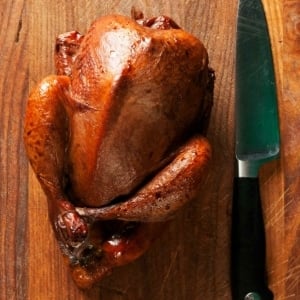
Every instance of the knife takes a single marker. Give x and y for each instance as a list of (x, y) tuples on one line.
[(257, 141)]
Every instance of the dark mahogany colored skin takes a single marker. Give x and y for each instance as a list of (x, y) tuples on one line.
[(116, 137)]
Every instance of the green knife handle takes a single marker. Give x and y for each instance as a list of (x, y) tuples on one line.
[(248, 273)]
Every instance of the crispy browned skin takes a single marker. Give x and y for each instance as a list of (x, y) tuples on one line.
[(116, 137)]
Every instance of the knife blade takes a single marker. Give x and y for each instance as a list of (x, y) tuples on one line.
[(257, 141)]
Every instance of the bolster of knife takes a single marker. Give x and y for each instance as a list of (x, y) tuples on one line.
[(248, 243)]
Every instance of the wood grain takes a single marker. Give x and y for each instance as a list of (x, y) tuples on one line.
[(191, 259), (291, 161), (13, 164)]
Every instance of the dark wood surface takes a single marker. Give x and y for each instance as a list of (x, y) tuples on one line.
[(191, 259)]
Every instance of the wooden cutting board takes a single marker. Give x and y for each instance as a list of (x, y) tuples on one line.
[(191, 259)]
